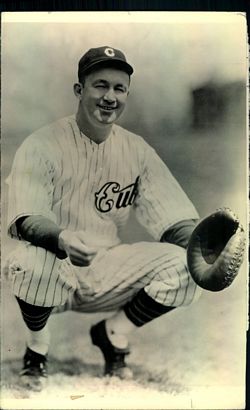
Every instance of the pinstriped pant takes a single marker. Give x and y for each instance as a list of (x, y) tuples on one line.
[(114, 276)]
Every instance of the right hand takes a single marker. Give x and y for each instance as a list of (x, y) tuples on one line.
[(73, 244)]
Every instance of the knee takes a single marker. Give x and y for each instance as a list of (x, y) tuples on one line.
[(197, 292), (187, 284), (30, 270), (172, 269), (172, 284)]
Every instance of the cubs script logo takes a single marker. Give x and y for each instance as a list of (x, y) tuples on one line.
[(111, 195)]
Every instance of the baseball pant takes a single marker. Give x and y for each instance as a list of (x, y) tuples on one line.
[(113, 278)]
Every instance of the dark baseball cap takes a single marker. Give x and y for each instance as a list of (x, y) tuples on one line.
[(104, 57)]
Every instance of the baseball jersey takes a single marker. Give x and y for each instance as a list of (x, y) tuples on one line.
[(61, 174)]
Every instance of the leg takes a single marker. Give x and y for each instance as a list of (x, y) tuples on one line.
[(119, 273), (38, 277), (151, 279), (39, 282), (34, 372), (35, 318)]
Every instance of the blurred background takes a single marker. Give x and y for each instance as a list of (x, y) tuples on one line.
[(188, 100)]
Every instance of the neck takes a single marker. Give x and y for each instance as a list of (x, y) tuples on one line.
[(96, 134)]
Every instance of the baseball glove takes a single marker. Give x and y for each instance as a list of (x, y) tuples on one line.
[(215, 250)]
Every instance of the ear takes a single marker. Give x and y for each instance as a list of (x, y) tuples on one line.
[(78, 90)]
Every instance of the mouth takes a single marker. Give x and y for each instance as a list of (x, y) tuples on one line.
[(107, 108)]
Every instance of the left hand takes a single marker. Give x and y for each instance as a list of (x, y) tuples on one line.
[(215, 250)]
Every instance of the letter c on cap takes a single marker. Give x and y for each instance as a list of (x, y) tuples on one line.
[(109, 52)]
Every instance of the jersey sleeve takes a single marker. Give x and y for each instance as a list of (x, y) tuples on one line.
[(161, 202), (30, 185)]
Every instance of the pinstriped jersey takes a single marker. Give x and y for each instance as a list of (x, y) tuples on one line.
[(61, 174)]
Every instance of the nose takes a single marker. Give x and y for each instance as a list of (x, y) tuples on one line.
[(110, 95)]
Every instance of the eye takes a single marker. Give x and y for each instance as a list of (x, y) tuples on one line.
[(120, 89), (100, 86)]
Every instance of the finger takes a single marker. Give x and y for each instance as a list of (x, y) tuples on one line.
[(89, 292), (79, 262), (83, 250), (89, 251), (86, 258), (81, 253)]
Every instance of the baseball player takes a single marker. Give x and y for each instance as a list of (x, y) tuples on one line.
[(71, 188)]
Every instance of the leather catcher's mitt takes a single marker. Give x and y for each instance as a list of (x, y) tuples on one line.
[(215, 250)]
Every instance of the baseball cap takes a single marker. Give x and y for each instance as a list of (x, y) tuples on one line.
[(103, 56)]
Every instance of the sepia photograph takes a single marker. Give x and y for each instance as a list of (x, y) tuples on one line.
[(124, 210)]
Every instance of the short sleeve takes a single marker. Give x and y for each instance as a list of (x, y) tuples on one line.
[(161, 202), (30, 184)]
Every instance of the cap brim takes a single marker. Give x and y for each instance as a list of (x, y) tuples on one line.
[(114, 62)]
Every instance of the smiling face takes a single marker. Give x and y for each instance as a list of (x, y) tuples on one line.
[(103, 96)]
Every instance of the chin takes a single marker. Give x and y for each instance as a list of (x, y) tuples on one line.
[(106, 119), (111, 119)]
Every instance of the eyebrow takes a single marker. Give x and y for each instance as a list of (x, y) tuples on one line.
[(99, 80)]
